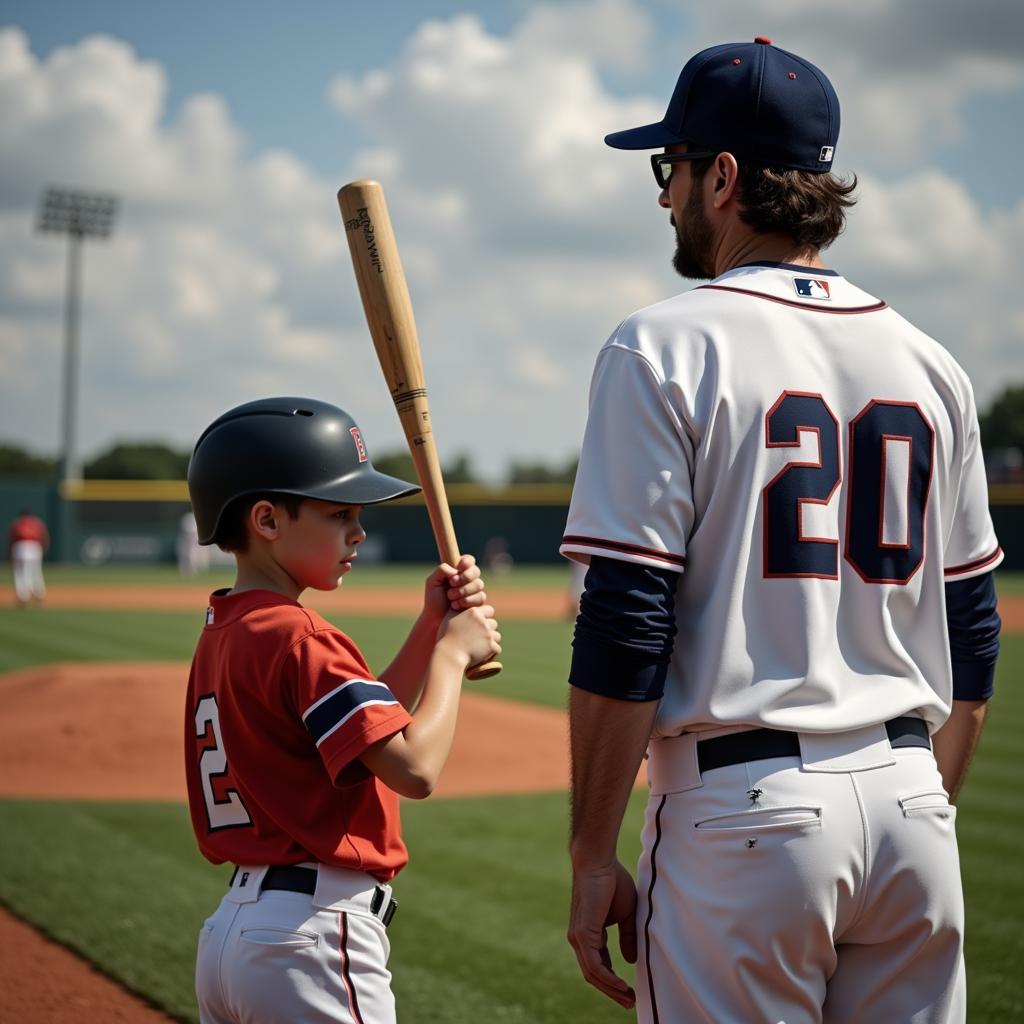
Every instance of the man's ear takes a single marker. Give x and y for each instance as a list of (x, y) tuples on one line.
[(263, 520), (726, 175)]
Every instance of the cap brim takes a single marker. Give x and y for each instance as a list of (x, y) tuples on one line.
[(365, 489), (647, 136)]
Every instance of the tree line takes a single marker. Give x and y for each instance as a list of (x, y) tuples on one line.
[(1002, 430), (157, 461)]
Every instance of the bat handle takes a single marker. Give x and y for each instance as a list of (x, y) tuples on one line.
[(484, 670), (428, 468)]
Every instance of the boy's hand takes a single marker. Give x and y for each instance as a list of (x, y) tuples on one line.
[(472, 634), (457, 587)]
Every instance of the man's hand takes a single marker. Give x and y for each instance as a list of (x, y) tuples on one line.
[(954, 744), (602, 897), (608, 738)]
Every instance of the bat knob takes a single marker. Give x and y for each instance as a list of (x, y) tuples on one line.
[(484, 670)]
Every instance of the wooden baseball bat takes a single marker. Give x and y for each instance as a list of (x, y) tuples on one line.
[(388, 311)]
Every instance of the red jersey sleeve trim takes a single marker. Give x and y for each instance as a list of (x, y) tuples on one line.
[(576, 541), (989, 561), (373, 732)]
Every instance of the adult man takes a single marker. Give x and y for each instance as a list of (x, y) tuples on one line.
[(781, 477), (27, 541)]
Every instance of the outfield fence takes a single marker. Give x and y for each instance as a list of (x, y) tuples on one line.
[(100, 521)]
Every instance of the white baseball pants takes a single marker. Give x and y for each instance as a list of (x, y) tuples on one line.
[(819, 888), (277, 957), (27, 563)]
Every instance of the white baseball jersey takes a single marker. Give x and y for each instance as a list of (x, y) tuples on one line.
[(810, 462)]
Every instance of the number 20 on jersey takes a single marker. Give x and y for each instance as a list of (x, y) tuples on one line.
[(888, 479)]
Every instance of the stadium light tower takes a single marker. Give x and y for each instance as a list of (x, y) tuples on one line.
[(79, 215)]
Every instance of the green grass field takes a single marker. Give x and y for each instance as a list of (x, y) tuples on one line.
[(368, 574), (536, 654), (480, 933)]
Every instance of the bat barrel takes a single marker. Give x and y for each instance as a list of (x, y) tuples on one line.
[(388, 308)]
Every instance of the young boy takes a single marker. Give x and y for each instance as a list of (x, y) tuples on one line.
[(295, 753)]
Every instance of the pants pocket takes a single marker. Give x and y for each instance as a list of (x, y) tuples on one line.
[(761, 819), (280, 937), (932, 802)]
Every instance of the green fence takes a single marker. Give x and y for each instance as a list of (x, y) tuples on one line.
[(100, 521)]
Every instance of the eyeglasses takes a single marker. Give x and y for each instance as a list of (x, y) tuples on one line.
[(662, 163)]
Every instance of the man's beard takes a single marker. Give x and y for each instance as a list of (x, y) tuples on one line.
[(694, 239)]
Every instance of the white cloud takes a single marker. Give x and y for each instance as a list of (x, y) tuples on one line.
[(610, 32), (905, 71), (923, 244), (223, 272), (921, 226), (538, 369), (524, 238)]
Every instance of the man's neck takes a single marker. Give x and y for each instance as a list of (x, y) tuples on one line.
[(747, 247)]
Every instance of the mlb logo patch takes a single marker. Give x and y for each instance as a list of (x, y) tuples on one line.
[(360, 447), (811, 288), (209, 616), (825, 155)]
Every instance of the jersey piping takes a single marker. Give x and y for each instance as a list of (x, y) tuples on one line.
[(630, 549), (978, 563), (842, 311)]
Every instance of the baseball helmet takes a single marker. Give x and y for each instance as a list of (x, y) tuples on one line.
[(295, 446)]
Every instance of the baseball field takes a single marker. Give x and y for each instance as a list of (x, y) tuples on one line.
[(105, 892)]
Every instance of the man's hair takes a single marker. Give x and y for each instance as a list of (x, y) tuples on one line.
[(233, 529), (809, 207)]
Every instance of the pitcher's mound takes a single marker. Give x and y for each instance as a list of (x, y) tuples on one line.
[(114, 731)]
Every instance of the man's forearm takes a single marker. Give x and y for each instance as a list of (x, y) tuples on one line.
[(608, 739), (954, 744)]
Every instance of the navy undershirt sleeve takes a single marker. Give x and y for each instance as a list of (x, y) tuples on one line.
[(973, 624), (625, 630)]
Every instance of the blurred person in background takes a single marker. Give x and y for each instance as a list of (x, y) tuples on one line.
[(192, 557), (27, 540), (497, 557)]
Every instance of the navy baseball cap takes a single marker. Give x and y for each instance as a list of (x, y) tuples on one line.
[(753, 100)]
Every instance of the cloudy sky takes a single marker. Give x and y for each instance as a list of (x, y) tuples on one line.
[(227, 128)]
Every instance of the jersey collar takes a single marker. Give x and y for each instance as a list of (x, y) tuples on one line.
[(789, 284), (226, 607), (797, 267)]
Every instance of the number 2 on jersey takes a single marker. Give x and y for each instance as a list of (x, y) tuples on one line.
[(888, 481), (213, 763)]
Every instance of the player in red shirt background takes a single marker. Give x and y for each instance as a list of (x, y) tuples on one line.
[(27, 542), (295, 752)]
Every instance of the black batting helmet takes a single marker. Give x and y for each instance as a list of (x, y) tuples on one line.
[(295, 446)]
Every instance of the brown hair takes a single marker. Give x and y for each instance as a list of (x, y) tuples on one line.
[(809, 207), (233, 529)]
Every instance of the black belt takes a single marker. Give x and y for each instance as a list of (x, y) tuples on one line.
[(292, 878), (762, 744)]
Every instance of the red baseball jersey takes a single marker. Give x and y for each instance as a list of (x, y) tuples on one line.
[(28, 528), (280, 706)]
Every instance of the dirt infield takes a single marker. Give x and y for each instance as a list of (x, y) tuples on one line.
[(537, 603), (531, 603), (56, 740), (58, 730), (42, 983)]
